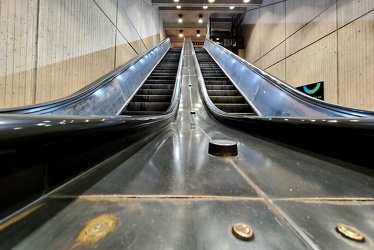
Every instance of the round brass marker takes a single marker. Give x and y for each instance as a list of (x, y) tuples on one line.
[(96, 229), (350, 232), (242, 231)]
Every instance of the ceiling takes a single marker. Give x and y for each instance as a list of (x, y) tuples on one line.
[(190, 11)]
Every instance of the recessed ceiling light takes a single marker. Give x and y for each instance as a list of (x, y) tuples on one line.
[(232, 7), (178, 6), (176, 1), (211, 1), (205, 7), (246, 1)]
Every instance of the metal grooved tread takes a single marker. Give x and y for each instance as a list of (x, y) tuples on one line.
[(155, 94), (220, 89)]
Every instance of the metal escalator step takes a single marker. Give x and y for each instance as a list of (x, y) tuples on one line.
[(220, 87), (218, 82), (155, 91), (148, 106), (151, 98), (164, 72), (223, 92), (209, 66), (227, 99), (128, 112), (218, 78), (147, 85), (235, 108), (159, 81), (167, 77), (213, 74), (168, 65)]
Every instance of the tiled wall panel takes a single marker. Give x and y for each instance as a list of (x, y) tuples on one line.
[(76, 46), (251, 29), (272, 27), (18, 38), (325, 40), (53, 48), (319, 27), (315, 63), (356, 63), (301, 12)]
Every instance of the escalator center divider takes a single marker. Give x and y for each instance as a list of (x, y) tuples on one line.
[(154, 97), (221, 91)]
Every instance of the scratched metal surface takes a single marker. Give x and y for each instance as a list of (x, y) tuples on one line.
[(172, 194)]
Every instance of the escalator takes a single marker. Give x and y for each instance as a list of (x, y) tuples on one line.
[(166, 191), (284, 114), (220, 89), (51, 143), (155, 94)]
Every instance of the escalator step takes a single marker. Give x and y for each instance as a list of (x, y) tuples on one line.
[(227, 99), (148, 106), (147, 85), (223, 92), (216, 79), (213, 74), (221, 82), (159, 81), (220, 87), (152, 98), (155, 91), (235, 108), (163, 73), (128, 112), (163, 78)]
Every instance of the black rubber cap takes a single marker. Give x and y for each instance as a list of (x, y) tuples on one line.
[(223, 147)]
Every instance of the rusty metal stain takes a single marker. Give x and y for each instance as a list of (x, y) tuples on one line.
[(19, 217), (121, 197), (96, 229)]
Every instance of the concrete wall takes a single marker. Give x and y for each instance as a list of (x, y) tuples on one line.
[(51, 48), (306, 41)]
